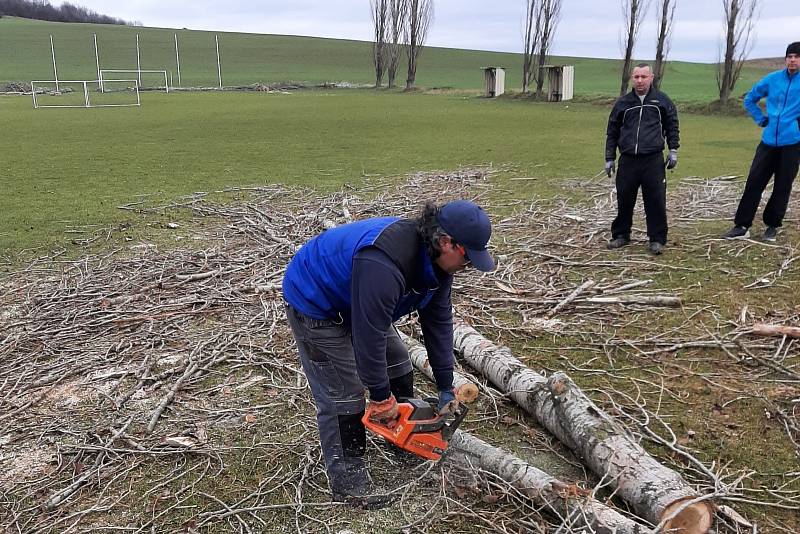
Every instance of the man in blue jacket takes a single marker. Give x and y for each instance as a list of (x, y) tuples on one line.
[(778, 153), (344, 289)]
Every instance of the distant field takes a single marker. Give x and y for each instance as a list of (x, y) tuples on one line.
[(70, 167), (252, 58)]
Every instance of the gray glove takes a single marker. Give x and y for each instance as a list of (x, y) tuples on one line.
[(610, 167), (672, 159)]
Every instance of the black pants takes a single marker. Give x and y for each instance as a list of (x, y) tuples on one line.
[(647, 172), (783, 162)]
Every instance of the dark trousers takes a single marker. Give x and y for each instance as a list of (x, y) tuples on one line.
[(647, 172), (328, 360), (781, 161)]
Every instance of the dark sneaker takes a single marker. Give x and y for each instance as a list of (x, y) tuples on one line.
[(371, 498), (770, 234), (618, 242), (737, 232), (655, 248)]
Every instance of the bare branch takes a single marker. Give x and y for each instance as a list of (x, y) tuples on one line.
[(379, 10), (549, 14), (666, 16), (633, 12), (420, 17), (739, 22), (398, 14)]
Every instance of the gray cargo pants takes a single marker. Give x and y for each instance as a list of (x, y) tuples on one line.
[(327, 357)]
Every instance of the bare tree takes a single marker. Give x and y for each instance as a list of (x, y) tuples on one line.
[(420, 16), (532, 31), (379, 9), (398, 11), (740, 18), (548, 16), (633, 12), (666, 16)]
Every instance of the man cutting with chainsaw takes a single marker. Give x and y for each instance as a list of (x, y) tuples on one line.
[(344, 289)]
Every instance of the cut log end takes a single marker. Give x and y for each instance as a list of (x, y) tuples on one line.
[(695, 519), (467, 392)]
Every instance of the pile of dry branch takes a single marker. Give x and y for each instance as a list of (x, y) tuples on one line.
[(149, 391)]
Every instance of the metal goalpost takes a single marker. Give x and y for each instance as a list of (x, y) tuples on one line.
[(83, 85), (102, 77)]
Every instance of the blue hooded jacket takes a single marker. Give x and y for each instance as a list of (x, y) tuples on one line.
[(782, 92)]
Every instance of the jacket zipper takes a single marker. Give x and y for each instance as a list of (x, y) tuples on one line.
[(638, 127), (785, 99)]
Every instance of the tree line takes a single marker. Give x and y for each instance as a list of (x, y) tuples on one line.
[(404, 24), (42, 10), (398, 25)]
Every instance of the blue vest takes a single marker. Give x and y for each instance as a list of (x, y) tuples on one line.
[(318, 279)]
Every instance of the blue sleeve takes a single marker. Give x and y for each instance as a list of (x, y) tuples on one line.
[(437, 326), (375, 288), (752, 98)]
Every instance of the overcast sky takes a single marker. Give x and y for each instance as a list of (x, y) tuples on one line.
[(588, 27)]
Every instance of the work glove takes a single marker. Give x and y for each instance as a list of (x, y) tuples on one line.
[(610, 167), (448, 403), (383, 412), (764, 122), (672, 159)]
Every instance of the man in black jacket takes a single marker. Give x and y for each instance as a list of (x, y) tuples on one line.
[(638, 125)]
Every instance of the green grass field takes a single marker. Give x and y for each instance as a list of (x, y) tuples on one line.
[(67, 167), (251, 58)]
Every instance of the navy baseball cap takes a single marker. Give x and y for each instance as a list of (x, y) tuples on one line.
[(469, 225)]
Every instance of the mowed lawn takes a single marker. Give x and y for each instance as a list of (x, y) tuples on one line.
[(68, 167)]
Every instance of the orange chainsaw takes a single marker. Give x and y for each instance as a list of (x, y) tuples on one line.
[(419, 428)]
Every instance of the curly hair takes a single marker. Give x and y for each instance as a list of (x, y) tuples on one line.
[(429, 229)]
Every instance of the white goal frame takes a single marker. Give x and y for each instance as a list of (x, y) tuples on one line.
[(87, 101), (133, 71)]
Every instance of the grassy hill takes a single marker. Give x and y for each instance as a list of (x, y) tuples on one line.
[(252, 58)]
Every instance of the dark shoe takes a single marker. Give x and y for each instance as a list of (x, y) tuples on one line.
[(770, 234), (737, 232), (368, 499), (655, 248), (618, 242)]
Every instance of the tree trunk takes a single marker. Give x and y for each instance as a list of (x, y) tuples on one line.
[(633, 11), (652, 489), (566, 501), (763, 329), (665, 18), (730, 50), (466, 390)]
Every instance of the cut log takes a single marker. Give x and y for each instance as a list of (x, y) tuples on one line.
[(466, 390), (575, 507), (763, 329), (652, 489)]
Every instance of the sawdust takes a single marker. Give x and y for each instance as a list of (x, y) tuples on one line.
[(25, 464)]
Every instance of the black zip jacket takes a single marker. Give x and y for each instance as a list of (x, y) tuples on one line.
[(638, 128)]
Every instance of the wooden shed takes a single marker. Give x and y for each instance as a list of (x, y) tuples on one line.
[(495, 81), (560, 82)]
